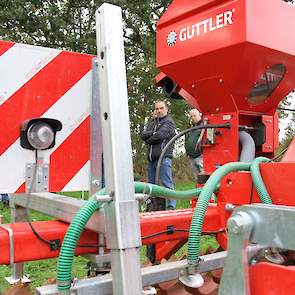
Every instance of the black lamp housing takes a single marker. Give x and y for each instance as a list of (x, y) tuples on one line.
[(56, 125)]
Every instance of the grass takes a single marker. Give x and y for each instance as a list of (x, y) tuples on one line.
[(42, 272)]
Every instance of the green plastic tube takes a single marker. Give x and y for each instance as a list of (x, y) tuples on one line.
[(65, 261), (156, 190), (202, 204), (64, 270), (258, 181), (67, 251)]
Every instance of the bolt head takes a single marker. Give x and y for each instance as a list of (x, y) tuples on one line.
[(236, 225)]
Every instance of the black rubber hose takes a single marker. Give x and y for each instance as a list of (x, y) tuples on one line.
[(173, 139)]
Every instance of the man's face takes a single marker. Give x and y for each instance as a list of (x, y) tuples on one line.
[(161, 109), (195, 116)]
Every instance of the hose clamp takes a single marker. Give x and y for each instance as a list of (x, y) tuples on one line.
[(64, 283), (150, 189)]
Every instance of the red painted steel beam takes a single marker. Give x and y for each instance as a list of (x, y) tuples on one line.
[(28, 248), (155, 222), (269, 278), (278, 178)]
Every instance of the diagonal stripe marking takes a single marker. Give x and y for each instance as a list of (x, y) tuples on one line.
[(40, 93), (19, 64), (4, 46), (71, 110), (74, 157), (80, 181)]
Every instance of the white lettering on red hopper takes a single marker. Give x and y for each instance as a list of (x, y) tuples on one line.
[(208, 25)]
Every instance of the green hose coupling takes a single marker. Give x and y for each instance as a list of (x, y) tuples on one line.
[(258, 181), (202, 204)]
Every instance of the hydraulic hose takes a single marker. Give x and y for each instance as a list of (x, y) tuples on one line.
[(202, 204), (258, 181), (156, 190), (173, 139), (65, 260)]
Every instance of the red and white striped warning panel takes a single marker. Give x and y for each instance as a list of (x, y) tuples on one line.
[(43, 82)]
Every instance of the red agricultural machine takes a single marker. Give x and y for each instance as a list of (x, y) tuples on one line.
[(234, 60)]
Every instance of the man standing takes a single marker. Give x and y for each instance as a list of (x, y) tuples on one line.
[(156, 135), (194, 151)]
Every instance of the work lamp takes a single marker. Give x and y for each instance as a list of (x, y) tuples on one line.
[(39, 133)]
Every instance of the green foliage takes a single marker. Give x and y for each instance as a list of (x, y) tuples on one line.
[(43, 272), (284, 144), (288, 115)]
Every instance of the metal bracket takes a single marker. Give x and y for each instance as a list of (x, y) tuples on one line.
[(151, 275), (13, 279), (11, 243), (266, 225), (98, 259), (235, 274), (41, 179), (210, 136)]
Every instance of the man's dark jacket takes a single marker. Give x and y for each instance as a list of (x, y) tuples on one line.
[(191, 139), (156, 135)]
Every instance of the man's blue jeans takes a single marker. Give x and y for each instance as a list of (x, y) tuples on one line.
[(166, 177), (5, 199)]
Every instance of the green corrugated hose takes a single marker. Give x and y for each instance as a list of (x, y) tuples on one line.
[(72, 236), (200, 209), (67, 251), (203, 200), (258, 181), (156, 190), (65, 261)]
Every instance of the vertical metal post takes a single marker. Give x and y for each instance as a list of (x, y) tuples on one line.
[(122, 218), (18, 214), (36, 181), (96, 134), (96, 178)]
